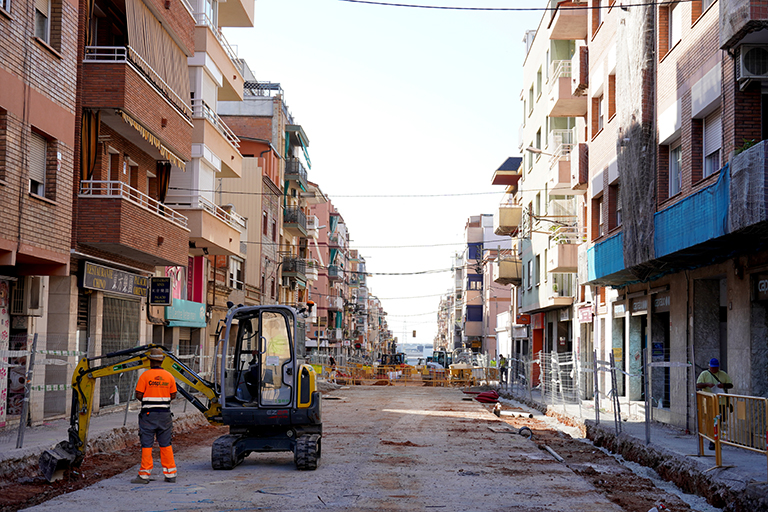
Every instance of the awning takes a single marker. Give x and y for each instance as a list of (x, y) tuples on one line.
[(152, 139)]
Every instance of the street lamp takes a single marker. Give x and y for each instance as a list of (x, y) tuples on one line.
[(537, 151)]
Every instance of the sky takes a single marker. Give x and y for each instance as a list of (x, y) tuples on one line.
[(415, 106)]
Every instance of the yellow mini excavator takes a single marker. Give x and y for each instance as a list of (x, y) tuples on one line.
[(259, 390)]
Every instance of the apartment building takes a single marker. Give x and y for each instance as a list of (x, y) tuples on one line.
[(330, 292), (481, 295), (552, 134), (38, 73)]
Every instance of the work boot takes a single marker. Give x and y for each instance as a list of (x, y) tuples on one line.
[(139, 480), (170, 479)]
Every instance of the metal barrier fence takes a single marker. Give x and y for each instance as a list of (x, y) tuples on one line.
[(734, 420), (365, 375)]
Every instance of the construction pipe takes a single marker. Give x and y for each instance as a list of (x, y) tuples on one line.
[(554, 454)]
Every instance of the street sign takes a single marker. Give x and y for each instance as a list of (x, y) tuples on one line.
[(160, 291)]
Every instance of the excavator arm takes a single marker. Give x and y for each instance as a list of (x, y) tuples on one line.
[(72, 451)]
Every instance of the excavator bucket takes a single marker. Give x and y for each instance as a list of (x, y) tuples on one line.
[(54, 462)]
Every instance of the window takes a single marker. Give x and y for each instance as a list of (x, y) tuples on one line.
[(545, 265), (600, 113), (38, 151), (537, 210), (263, 283), (537, 270), (5, 5), (274, 230), (235, 273), (712, 140), (675, 24), (475, 282), (705, 4), (597, 218), (530, 100), (538, 139), (597, 15), (675, 169), (538, 84), (614, 206), (42, 19), (474, 251), (611, 96), (272, 288), (264, 223), (474, 313), (529, 274)]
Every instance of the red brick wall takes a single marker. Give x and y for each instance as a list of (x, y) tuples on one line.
[(176, 19), (119, 86), (113, 225)]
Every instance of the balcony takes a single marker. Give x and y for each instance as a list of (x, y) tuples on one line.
[(313, 227), (569, 21), (295, 267), (563, 143), (509, 269), (561, 101), (295, 221), (211, 131), (473, 328), (210, 40), (334, 241), (295, 171), (312, 270), (579, 168), (335, 273), (211, 227), (335, 303), (563, 258), (137, 103), (334, 335), (118, 219), (508, 220), (560, 291), (739, 18)]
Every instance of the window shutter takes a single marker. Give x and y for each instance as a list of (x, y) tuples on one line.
[(713, 133), (42, 6), (37, 152)]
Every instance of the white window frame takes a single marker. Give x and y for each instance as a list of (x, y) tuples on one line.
[(5, 5), (235, 267), (675, 168), (675, 20), (600, 120), (712, 160), (43, 17), (38, 164)]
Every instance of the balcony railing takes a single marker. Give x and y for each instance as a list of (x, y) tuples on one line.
[(334, 240), (558, 69), (295, 215), (334, 272), (201, 110), (562, 143), (293, 264), (120, 190), (295, 170), (126, 55), (568, 234), (235, 220), (202, 20)]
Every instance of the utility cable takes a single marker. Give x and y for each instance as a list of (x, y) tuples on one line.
[(570, 7), (399, 196)]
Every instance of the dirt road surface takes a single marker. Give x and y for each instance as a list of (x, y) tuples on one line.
[(388, 448)]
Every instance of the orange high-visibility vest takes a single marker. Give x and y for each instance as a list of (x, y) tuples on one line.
[(157, 385)]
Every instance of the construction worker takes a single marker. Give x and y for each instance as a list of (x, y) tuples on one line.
[(156, 388), (714, 381)]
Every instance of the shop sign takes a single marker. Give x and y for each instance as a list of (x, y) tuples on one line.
[(619, 308), (565, 314), (538, 321), (761, 287), (97, 277), (618, 354), (523, 319), (185, 313), (661, 302), (657, 351), (639, 306), (585, 315), (160, 291)]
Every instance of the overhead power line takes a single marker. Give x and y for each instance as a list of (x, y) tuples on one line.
[(455, 8), (246, 193)]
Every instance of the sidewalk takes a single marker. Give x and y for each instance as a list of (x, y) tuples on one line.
[(740, 484), (106, 432)]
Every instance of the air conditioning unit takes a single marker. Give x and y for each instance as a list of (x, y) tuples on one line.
[(27, 296), (753, 61)]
